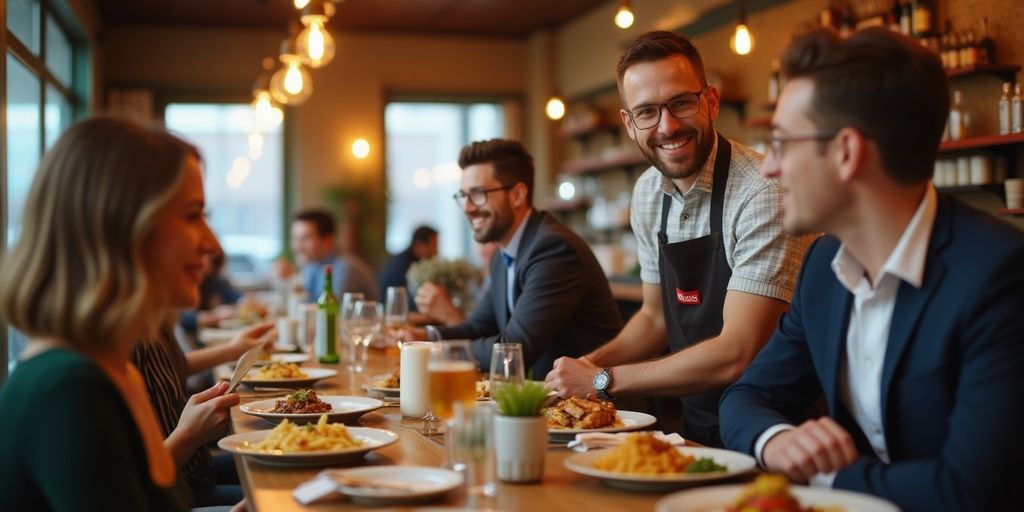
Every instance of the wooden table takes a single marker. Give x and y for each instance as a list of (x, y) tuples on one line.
[(270, 488)]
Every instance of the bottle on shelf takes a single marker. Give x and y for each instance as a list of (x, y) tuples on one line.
[(986, 45), (847, 21), (953, 54), (1004, 110), (774, 83), (921, 21), (906, 17), (945, 45), (1016, 112), (968, 50), (892, 18), (957, 117), (327, 322)]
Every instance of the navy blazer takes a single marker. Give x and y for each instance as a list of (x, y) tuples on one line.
[(563, 305), (953, 376)]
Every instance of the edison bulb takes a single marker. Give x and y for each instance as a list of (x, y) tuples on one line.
[(742, 41), (266, 114), (300, 4), (360, 148), (624, 17), (291, 85), (555, 108), (314, 44)]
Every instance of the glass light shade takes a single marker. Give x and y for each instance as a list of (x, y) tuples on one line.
[(291, 85), (555, 109), (742, 41), (266, 114), (314, 44), (299, 4), (360, 148), (624, 17)]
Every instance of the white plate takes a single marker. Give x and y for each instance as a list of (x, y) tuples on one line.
[(735, 462), (283, 358), (216, 336), (372, 438), (388, 392), (425, 483), (630, 421), (715, 499), (315, 374), (344, 409)]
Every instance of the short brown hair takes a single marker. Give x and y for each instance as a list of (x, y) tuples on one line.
[(888, 87), (77, 272), (512, 164), (322, 221), (657, 45)]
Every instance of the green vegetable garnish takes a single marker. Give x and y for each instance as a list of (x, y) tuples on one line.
[(705, 465)]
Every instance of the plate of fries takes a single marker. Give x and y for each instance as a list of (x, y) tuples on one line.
[(315, 444), (287, 375)]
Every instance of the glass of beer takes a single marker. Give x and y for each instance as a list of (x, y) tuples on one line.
[(452, 372)]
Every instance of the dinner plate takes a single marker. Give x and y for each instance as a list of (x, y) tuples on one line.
[(630, 421), (388, 392), (314, 375), (283, 358), (735, 463), (344, 409), (372, 438), (416, 484), (716, 498)]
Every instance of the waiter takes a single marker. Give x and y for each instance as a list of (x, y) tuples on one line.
[(717, 268)]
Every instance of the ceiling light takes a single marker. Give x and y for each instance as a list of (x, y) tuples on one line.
[(624, 15), (360, 148), (291, 85), (314, 44), (742, 41), (555, 108)]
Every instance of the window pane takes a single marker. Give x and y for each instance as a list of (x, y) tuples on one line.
[(23, 21), (243, 175), (57, 116), (58, 52), (22, 140)]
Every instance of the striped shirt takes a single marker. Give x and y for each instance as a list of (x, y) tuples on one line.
[(764, 259), (165, 370)]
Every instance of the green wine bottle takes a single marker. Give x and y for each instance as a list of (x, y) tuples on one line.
[(327, 322)]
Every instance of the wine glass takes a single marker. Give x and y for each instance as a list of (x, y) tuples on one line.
[(506, 365), (363, 325), (452, 371), (348, 304), (396, 310)]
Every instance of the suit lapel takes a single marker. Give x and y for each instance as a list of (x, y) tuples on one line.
[(911, 302), (499, 287), (529, 232), (835, 339)]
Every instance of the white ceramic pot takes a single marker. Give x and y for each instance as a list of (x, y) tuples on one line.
[(521, 443)]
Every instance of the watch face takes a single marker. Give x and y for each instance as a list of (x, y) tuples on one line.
[(601, 380)]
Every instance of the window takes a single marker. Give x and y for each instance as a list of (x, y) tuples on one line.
[(243, 177), (41, 100), (423, 143)]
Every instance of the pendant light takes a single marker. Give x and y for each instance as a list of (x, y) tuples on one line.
[(291, 85), (555, 108), (266, 114), (314, 44), (624, 15), (742, 41)]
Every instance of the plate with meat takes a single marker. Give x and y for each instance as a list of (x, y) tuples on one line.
[(771, 493), (305, 406), (577, 415)]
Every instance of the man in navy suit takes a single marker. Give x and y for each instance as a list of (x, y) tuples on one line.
[(908, 316)]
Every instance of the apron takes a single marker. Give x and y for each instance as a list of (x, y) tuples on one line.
[(694, 278)]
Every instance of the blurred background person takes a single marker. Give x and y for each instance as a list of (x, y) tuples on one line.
[(314, 243), (422, 246), (435, 303)]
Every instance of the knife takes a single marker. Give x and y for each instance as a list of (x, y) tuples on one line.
[(243, 366)]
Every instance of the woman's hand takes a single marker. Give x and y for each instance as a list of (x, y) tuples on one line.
[(204, 419), (250, 337)]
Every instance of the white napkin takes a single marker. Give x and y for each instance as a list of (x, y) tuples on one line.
[(584, 442), (316, 489)]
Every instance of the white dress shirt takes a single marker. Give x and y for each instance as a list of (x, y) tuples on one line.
[(510, 250), (860, 374)]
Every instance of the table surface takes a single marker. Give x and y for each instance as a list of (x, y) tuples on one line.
[(270, 488)]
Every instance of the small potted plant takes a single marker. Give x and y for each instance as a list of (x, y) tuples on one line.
[(521, 431)]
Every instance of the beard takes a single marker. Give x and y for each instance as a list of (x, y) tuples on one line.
[(685, 165), (498, 228)]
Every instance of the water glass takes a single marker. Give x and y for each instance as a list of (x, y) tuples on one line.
[(507, 365), (472, 436), (348, 304), (413, 387), (362, 327), (307, 328)]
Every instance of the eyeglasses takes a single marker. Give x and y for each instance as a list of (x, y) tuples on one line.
[(477, 197), (685, 105), (775, 142)]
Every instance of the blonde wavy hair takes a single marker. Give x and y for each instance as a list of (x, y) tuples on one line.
[(77, 272)]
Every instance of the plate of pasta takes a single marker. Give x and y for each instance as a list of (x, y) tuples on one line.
[(643, 463), (771, 493), (306, 406), (288, 375), (315, 444)]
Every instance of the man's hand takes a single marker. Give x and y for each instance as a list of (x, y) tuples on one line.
[(816, 446), (434, 301), (406, 334), (572, 377)]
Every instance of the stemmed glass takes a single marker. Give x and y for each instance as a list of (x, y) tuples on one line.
[(365, 323), (396, 310), (452, 371), (348, 304), (506, 365)]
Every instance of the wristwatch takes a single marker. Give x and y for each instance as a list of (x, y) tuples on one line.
[(603, 381)]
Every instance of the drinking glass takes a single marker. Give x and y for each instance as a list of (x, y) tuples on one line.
[(452, 371), (348, 304), (506, 365), (362, 327), (396, 308), (473, 441)]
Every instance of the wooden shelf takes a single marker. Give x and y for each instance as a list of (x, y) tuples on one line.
[(1005, 71), (1016, 212), (592, 165), (559, 205), (984, 141), (583, 130), (996, 188)]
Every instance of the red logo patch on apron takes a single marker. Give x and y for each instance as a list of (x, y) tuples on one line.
[(689, 297)]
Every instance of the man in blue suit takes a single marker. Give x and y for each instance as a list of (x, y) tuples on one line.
[(908, 316)]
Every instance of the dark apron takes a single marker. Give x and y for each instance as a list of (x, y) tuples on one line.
[(694, 278)]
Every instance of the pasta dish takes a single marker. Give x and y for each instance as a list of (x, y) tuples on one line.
[(642, 454), (288, 437), (303, 401), (280, 371)]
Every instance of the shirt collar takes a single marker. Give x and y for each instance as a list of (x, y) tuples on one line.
[(513, 245), (907, 259), (704, 180)]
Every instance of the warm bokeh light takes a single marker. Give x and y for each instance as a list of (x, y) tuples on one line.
[(624, 17), (360, 149), (299, 4), (255, 146), (291, 85), (314, 44), (555, 109), (742, 41), (566, 191), (266, 114)]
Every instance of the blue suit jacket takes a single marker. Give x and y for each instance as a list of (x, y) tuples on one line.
[(953, 376)]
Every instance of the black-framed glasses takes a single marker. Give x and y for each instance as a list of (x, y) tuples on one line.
[(685, 105), (776, 141), (477, 197)]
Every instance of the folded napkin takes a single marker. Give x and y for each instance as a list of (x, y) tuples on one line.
[(584, 442), (316, 489)]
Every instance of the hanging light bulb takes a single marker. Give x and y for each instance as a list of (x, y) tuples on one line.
[(266, 114), (360, 149), (555, 108), (624, 15), (299, 4), (291, 85), (314, 44), (742, 41)]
